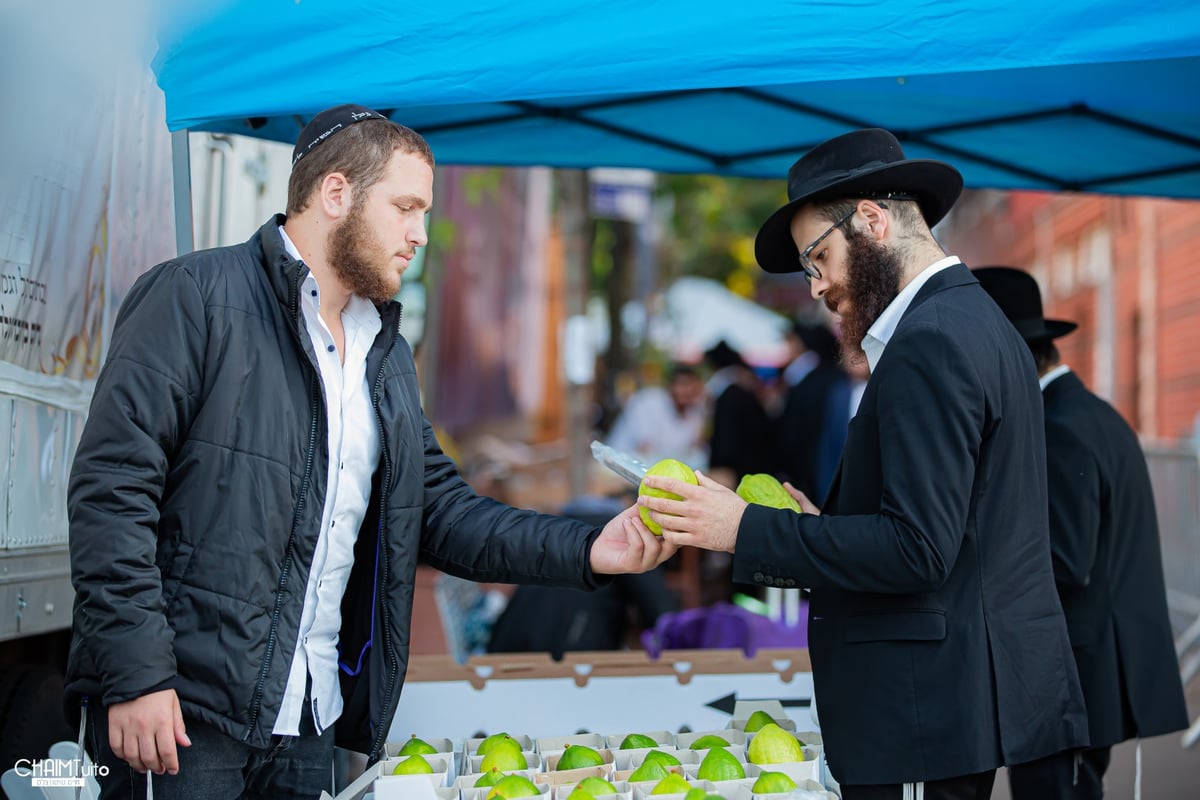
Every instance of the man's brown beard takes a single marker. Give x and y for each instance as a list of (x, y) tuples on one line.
[(353, 253), (872, 283)]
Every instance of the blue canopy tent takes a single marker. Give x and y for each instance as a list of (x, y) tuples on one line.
[(1086, 95)]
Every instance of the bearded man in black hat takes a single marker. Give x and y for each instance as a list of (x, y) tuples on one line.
[(256, 481), (1107, 561), (939, 649)]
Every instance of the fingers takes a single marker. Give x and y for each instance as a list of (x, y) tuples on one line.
[(168, 755), (635, 541), (806, 505), (181, 737), (116, 741), (158, 752), (688, 491), (144, 732), (709, 483), (667, 512)]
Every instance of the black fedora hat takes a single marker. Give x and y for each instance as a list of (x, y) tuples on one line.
[(1016, 292), (864, 163)]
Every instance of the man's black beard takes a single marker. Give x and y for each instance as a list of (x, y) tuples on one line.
[(352, 245), (872, 283)]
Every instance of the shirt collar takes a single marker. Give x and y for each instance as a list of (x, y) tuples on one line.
[(1053, 375), (290, 246), (880, 333), (359, 309)]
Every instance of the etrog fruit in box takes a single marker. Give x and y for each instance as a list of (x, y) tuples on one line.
[(648, 771), (666, 759), (490, 778), (672, 784), (719, 765), (579, 755), (504, 758), (416, 747), (636, 741), (773, 745), (597, 787), (706, 741), (773, 783), (495, 739), (413, 765), (511, 786), (757, 720)]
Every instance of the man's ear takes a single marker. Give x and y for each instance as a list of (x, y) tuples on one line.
[(877, 223), (335, 195)]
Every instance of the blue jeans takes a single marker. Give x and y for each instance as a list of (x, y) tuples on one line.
[(217, 767)]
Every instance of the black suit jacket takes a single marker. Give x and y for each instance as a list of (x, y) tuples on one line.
[(938, 645), (1108, 565)]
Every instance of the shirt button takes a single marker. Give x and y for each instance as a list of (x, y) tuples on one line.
[(332, 522), (331, 348), (314, 292)]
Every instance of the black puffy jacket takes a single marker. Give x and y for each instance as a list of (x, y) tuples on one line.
[(196, 496)]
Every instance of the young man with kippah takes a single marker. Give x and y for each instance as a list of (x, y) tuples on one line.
[(256, 482)]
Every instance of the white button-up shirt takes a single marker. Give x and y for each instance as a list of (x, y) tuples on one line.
[(354, 449), (880, 333)]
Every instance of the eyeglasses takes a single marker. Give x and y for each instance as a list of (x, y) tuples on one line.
[(811, 273)]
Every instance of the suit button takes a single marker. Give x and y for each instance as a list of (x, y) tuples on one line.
[(790, 582), (758, 576)]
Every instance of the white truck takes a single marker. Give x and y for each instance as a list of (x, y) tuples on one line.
[(85, 206)]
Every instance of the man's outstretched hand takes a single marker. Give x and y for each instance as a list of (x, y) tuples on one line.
[(626, 545)]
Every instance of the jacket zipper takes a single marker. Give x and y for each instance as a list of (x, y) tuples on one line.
[(285, 571), (393, 662)]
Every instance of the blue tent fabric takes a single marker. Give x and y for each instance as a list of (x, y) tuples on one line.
[(1090, 95)]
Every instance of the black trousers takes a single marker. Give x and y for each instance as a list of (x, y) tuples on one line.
[(217, 767), (966, 787), (1070, 775)]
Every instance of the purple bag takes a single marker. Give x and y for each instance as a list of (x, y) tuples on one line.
[(723, 625)]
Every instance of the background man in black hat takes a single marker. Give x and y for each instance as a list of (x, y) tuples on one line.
[(256, 481), (739, 437), (815, 382), (939, 649), (1107, 560)]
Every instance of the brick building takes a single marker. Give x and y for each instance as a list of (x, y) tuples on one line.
[(1125, 269)]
